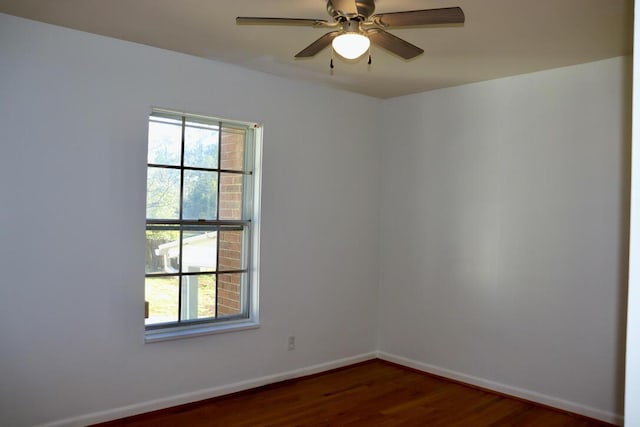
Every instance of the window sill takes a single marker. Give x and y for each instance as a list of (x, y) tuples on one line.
[(181, 332)]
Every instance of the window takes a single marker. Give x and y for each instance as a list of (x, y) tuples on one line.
[(201, 252)]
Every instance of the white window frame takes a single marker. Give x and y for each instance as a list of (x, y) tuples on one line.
[(252, 203)]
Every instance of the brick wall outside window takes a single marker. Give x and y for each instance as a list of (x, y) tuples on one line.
[(230, 254)]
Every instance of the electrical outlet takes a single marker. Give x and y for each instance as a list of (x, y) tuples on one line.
[(292, 343)]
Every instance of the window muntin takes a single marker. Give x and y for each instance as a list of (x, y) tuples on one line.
[(200, 221)]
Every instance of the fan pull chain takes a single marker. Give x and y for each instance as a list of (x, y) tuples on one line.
[(369, 62), (331, 63)]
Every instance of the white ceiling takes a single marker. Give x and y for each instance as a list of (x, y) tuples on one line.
[(499, 38)]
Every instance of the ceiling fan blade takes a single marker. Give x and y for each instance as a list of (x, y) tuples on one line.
[(317, 45), (345, 7), (249, 20), (393, 44), (446, 15)]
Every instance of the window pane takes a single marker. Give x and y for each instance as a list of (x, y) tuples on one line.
[(162, 295), (231, 187), (200, 195), (162, 249), (163, 193), (232, 150), (198, 297), (230, 249), (201, 145), (231, 294), (165, 136), (199, 249)]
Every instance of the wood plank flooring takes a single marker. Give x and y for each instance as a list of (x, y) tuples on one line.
[(373, 393)]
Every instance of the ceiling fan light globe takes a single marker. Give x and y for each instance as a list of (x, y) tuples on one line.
[(351, 45)]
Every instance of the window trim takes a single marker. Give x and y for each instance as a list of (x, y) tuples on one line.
[(252, 199)]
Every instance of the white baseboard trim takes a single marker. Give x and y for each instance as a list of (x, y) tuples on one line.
[(532, 396), (180, 399)]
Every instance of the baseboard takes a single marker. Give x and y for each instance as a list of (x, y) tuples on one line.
[(180, 399), (532, 396)]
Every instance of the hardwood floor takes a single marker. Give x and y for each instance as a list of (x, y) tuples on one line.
[(374, 393)]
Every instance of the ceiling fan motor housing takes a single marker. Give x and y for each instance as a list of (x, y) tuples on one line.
[(341, 9), (351, 26)]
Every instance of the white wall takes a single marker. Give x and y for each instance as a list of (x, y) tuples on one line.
[(504, 233), (73, 127), (632, 385)]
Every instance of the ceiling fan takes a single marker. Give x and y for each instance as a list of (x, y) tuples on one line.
[(356, 26)]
